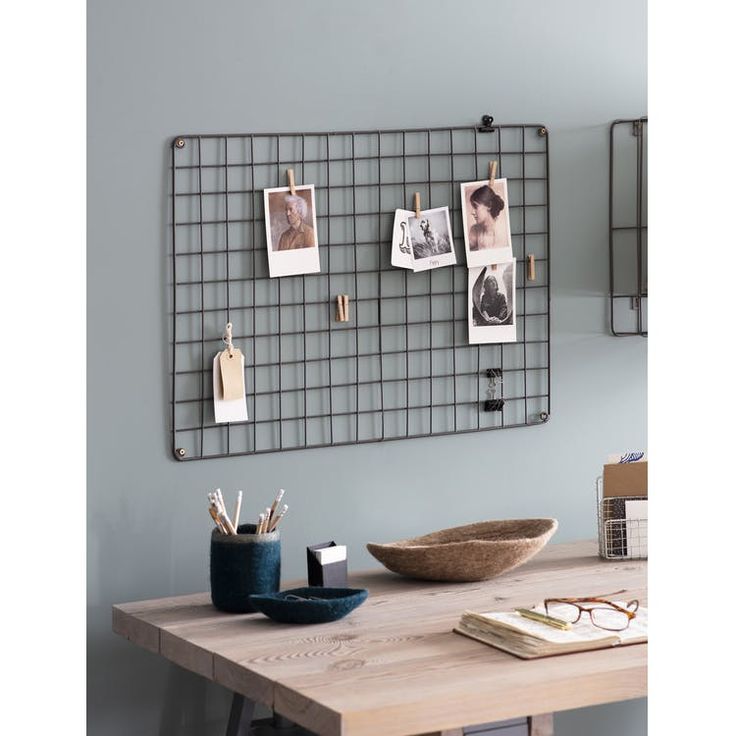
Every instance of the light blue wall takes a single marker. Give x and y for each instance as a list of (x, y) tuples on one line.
[(181, 66)]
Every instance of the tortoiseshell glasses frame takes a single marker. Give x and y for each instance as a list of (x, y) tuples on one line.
[(629, 612)]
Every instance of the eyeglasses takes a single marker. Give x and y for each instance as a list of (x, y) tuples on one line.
[(607, 615)]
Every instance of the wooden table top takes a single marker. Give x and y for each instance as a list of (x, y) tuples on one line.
[(393, 666)]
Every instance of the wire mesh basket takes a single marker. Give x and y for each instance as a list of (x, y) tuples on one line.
[(621, 535)]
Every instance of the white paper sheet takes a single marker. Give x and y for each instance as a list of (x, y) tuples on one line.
[(620, 458), (637, 514)]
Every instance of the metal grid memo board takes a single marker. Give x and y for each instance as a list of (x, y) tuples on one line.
[(627, 234), (402, 366)]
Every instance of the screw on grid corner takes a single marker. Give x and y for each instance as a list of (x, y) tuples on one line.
[(541, 132), (544, 416), (179, 143), (180, 453)]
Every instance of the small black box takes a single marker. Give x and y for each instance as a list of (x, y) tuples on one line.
[(330, 575)]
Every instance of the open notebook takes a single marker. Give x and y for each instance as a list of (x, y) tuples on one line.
[(529, 639)]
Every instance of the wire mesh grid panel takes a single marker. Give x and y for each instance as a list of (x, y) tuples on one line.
[(401, 366), (628, 227)]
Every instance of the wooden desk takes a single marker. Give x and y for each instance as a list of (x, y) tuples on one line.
[(393, 667)]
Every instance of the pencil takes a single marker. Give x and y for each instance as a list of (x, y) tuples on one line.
[(278, 518), (556, 623), (213, 514), (236, 515), (276, 502)]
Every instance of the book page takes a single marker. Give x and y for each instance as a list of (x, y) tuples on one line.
[(583, 631)]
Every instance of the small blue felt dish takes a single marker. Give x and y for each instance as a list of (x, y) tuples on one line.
[(313, 605)]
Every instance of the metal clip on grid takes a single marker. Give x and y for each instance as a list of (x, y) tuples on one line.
[(492, 403)]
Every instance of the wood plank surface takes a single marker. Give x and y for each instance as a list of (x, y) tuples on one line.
[(394, 666)]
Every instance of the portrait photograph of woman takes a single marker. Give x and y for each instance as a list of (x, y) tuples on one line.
[(291, 231), (491, 303), (486, 223)]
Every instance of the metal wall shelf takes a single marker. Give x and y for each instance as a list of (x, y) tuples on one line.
[(627, 222)]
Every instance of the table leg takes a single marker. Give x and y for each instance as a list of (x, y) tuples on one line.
[(542, 725), (241, 716)]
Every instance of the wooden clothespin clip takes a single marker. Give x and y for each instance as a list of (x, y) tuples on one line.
[(343, 308), (531, 271), (228, 338), (492, 166), (417, 205), (290, 175)]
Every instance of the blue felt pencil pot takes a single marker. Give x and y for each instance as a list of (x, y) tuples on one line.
[(242, 565)]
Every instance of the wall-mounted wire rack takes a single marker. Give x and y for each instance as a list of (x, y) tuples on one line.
[(402, 367), (627, 222)]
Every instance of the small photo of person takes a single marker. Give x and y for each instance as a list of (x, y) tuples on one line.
[(291, 231), (486, 222), (491, 303)]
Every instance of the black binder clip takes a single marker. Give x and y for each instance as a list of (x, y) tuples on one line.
[(492, 403), (486, 124)]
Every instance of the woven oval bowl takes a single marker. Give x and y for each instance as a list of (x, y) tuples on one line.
[(466, 553)]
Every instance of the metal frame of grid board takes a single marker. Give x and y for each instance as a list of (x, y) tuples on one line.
[(402, 366), (627, 227)]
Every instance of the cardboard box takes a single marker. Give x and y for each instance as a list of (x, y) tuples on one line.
[(625, 479)]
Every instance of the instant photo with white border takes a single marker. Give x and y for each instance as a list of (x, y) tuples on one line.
[(401, 253), (492, 303), (291, 231), (486, 224), (430, 238)]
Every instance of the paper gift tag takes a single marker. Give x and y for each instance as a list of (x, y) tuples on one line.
[(401, 255), (229, 410), (231, 370)]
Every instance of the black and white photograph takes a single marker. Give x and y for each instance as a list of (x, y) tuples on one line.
[(291, 231), (430, 236), (486, 222), (492, 303), (401, 255)]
